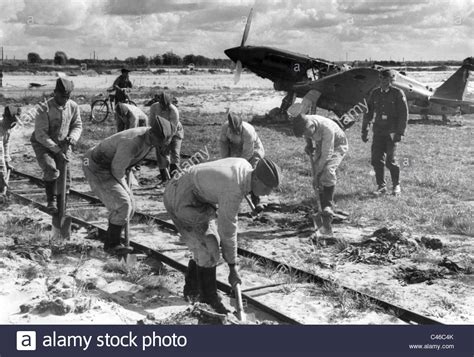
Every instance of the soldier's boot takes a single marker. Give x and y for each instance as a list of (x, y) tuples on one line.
[(191, 286), (208, 289), (165, 176), (380, 179), (112, 243), (173, 168), (50, 188), (327, 201), (395, 174)]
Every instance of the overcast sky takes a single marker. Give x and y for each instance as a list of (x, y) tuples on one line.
[(329, 29)]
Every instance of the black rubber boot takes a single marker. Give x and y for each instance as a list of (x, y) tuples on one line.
[(191, 286), (208, 289), (173, 168), (113, 236), (165, 176), (327, 197), (50, 188), (327, 201)]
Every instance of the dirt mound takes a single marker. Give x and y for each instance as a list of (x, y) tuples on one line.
[(414, 275), (381, 247)]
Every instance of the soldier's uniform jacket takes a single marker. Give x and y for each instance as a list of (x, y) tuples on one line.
[(244, 145), (170, 114), (389, 111), (134, 118), (54, 123), (223, 183), (121, 151), (328, 138)]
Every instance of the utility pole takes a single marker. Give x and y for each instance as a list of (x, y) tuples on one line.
[(1, 71)]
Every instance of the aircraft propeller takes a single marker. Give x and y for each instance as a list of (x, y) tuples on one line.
[(238, 67)]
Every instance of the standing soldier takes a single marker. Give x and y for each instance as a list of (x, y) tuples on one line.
[(203, 204), (121, 84), (168, 157), (326, 144), (387, 107), (105, 167), (57, 126), (239, 139), (10, 120), (128, 116)]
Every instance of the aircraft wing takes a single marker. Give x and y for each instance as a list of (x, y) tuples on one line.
[(349, 87), (466, 107)]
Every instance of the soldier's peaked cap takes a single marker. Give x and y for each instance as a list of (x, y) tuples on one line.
[(64, 86), (268, 172), (388, 73)]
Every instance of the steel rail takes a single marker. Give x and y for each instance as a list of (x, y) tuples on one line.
[(226, 288), (398, 311)]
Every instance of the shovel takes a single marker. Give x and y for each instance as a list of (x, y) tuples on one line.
[(252, 207), (61, 222), (322, 223), (240, 306), (124, 254)]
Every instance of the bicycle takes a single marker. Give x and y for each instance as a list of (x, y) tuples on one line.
[(100, 108)]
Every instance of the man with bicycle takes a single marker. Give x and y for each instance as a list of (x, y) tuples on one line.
[(121, 84)]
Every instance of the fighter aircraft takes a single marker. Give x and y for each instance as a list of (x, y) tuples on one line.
[(346, 93), (340, 89), (283, 68)]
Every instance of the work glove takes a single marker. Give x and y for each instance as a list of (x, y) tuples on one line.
[(365, 136), (71, 141), (234, 277), (397, 138)]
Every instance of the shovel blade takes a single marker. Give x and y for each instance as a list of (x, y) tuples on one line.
[(62, 227)]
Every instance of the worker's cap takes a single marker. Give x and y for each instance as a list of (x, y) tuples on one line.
[(235, 122), (125, 70), (299, 125), (161, 128), (64, 86), (387, 73), (164, 99), (268, 172)]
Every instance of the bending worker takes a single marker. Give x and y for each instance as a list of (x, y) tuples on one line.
[(388, 109), (203, 204), (239, 139), (326, 144), (128, 116), (169, 157), (105, 167), (57, 126), (10, 119)]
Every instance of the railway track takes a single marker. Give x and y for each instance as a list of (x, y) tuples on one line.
[(80, 201)]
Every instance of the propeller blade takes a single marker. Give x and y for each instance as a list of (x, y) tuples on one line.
[(247, 28), (237, 72)]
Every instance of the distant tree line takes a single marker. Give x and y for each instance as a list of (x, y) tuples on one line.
[(166, 59)]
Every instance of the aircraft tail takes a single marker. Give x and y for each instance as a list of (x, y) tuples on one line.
[(454, 86)]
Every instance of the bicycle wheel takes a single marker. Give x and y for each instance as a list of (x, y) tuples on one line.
[(99, 111)]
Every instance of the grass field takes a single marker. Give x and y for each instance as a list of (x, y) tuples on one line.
[(436, 178)]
